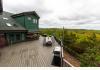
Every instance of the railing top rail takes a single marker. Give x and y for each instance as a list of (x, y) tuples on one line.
[(68, 63), (62, 54)]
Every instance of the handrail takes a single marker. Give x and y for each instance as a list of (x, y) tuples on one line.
[(67, 63), (64, 62)]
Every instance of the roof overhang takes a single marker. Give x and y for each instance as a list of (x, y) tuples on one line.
[(6, 31), (25, 13)]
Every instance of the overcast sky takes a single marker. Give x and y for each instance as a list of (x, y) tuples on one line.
[(79, 14)]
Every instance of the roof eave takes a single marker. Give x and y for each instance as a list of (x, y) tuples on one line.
[(25, 13), (5, 31)]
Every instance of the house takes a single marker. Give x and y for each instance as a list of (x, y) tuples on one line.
[(30, 21), (18, 27), (10, 30)]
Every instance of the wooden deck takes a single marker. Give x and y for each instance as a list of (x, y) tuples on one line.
[(31, 54)]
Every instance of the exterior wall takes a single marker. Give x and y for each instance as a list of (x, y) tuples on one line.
[(28, 22), (15, 37), (32, 23), (21, 20)]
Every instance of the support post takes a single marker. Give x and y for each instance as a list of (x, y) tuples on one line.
[(62, 48)]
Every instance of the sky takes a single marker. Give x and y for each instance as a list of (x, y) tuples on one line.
[(71, 14)]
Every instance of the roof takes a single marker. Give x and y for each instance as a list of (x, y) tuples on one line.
[(7, 23), (26, 13)]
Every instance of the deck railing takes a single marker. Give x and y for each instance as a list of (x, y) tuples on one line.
[(64, 62)]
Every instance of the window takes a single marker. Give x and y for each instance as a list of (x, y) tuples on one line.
[(5, 18), (12, 37), (29, 18), (8, 24), (18, 37), (33, 20), (23, 36), (36, 21)]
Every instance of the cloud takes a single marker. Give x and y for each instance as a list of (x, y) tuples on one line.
[(25, 5), (58, 13)]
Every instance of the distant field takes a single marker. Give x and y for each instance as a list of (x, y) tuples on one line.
[(83, 44)]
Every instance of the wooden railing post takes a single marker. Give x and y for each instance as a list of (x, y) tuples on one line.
[(64, 63), (62, 54)]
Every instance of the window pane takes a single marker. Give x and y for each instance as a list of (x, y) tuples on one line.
[(37, 21), (29, 18), (34, 20), (8, 24), (17, 37), (5, 18)]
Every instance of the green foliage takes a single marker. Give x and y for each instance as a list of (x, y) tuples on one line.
[(91, 57), (82, 43)]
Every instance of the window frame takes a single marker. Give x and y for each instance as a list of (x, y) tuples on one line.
[(29, 18)]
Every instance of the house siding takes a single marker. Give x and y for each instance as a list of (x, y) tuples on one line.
[(28, 24), (22, 28), (21, 20), (15, 37)]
